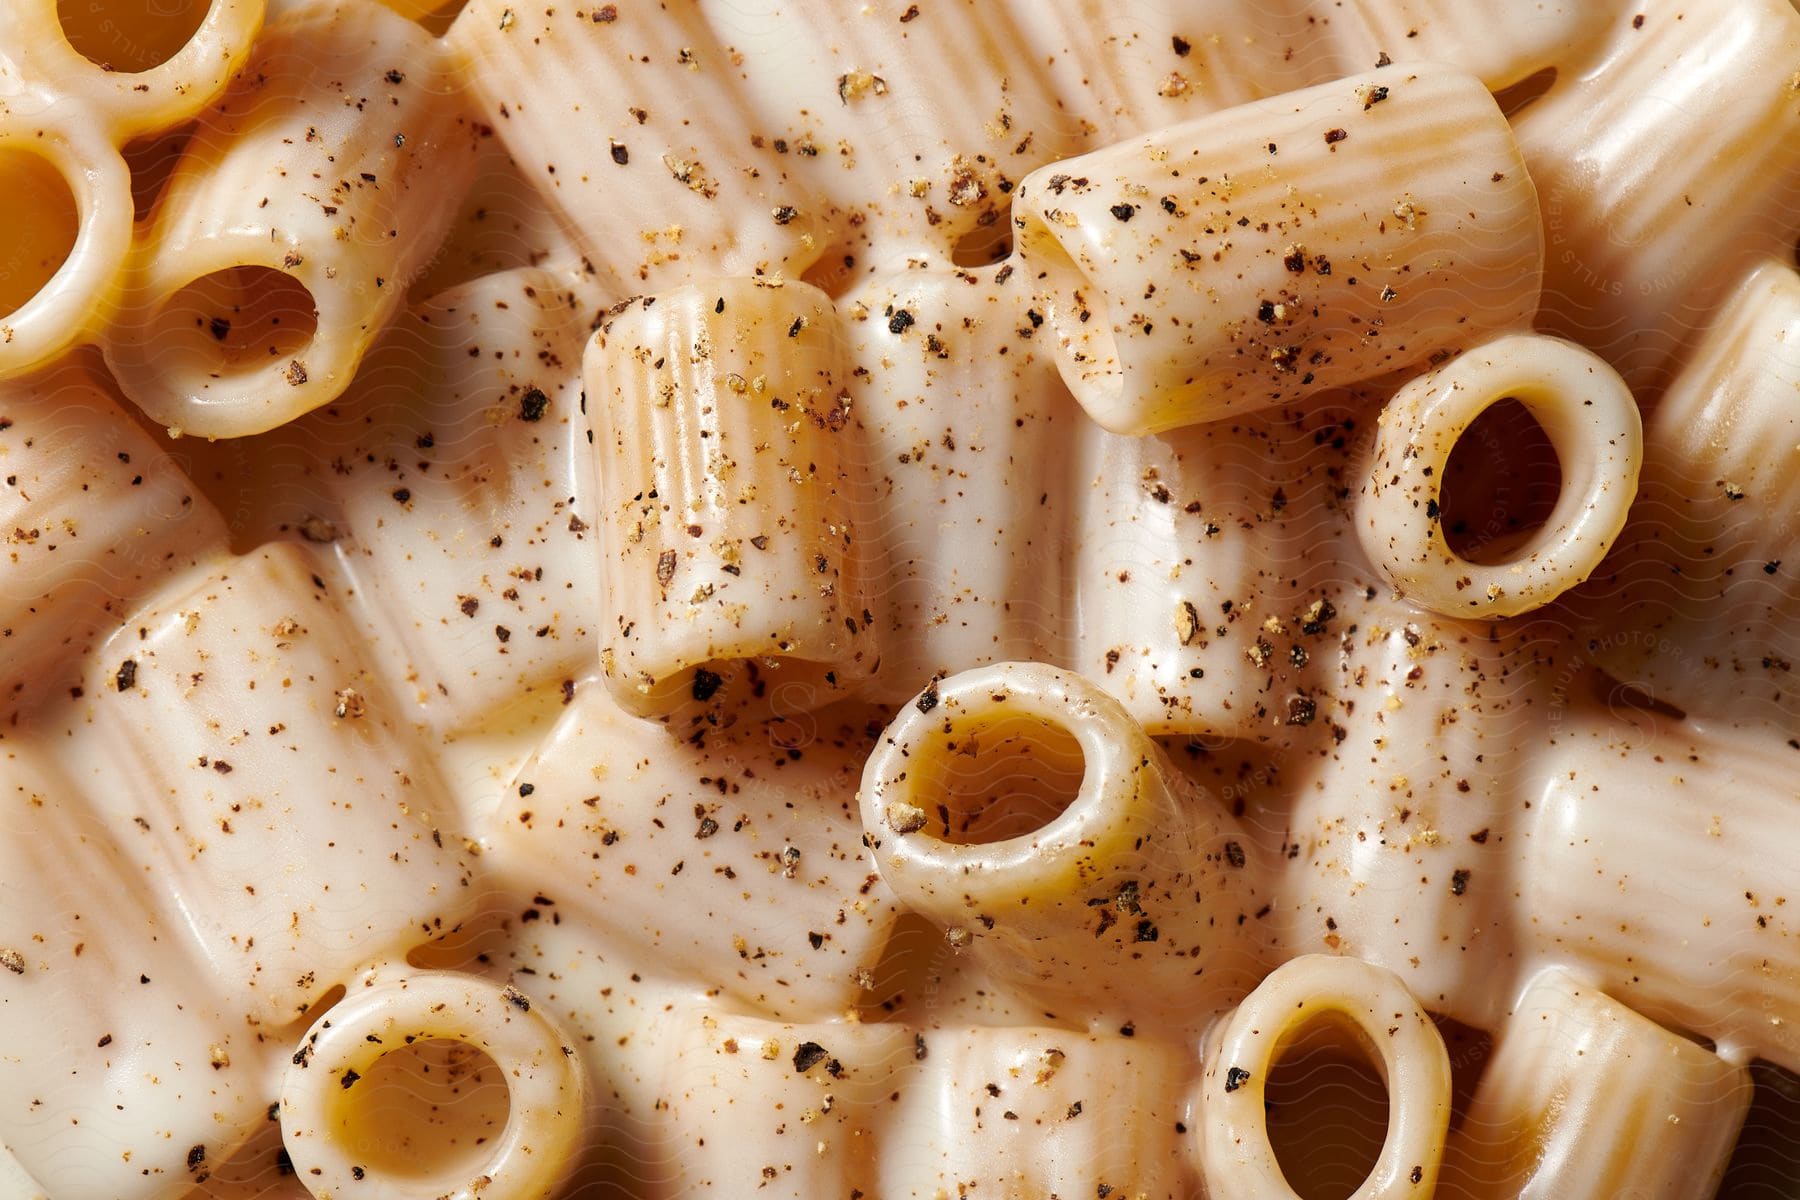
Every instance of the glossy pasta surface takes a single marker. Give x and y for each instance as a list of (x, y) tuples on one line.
[(1171, 599)]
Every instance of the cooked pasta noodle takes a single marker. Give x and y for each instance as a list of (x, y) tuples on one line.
[(1593, 424), (1500, 44), (1263, 254)]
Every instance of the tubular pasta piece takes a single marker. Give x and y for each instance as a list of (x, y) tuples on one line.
[(306, 201), (708, 195), (1502, 44), (755, 1108), (1020, 806), (1396, 1033), (1645, 231), (117, 1059), (1591, 420), (1209, 571), (1040, 1112), (1254, 257), (1657, 862), (729, 861), (97, 514), (964, 425), (336, 1148), (118, 65), (65, 203), (1583, 1097), (733, 563), (1699, 603), (235, 743)]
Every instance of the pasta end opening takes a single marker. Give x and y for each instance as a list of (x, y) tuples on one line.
[(42, 220), (1501, 484), (1327, 1108), (130, 36), (238, 320), (1081, 317), (996, 778), (1521, 95), (426, 1111)]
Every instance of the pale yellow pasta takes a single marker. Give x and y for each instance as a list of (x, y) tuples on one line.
[(294, 223), (65, 203), (735, 566), (1665, 169), (128, 69), (339, 1141), (610, 818), (1500, 43), (1593, 424), (233, 722), (969, 496), (1263, 254), (1022, 809), (97, 515), (1040, 1112), (1375, 1008), (1583, 1097)]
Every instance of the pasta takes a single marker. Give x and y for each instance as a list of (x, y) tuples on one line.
[(292, 226), (1131, 244), (959, 598), (1592, 423), (1586, 1098), (328, 1130), (1387, 1023), (735, 567), (1020, 807)]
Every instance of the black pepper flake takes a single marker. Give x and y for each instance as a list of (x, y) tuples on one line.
[(296, 372), (665, 566), (503, 633), (1124, 212), (808, 1056), (1374, 96), (1431, 509), (1236, 1078), (900, 322), (817, 940), (105, 1041), (219, 327), (796, 327), (920, 1050), (1234, 854), (402, 495), (1301, 710), (1074, 1110), (532, 405), (1146, 931), (706, 683), (356, 1172), (126, 679), (928, 699), (469, 605), (707, 828), (349, 1078), (1479, 837), (1334, 136), (1769, 568), (1459, 881), (785, 213), (195, 1157), (516, 998), (1181, 45), (621, 154), (1418, 1175)]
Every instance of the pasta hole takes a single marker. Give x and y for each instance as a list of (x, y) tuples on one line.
[(833, 274), (984, 245), (152, 160), (1006, 778), (1500, 485), (130, 35), (1469, 1050), (323, 1004), (429, 1110), (1762, 1165), (1327, 1109), (39, 214), (239, 319), (1079, 314), (1521, 95), (435, 15)]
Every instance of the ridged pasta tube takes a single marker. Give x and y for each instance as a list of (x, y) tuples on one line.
[(1019, 806), (1646, 231), (1593, 424), (1251, 258), (1659, 863), (65, 203), (962, 422), (1583, 1097), (1394, 1031), (235, 743), (1501, 44), (697, 857), (307, 200), (124, 1076), (338, 1136), (1040, 1112), (735, 563), (97, 515), (129, 69)]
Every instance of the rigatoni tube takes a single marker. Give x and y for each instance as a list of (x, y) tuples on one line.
[(1592, 422), (1020, 807), (733, 564), (1256, 256), (309, 197), (1586, 1098)]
